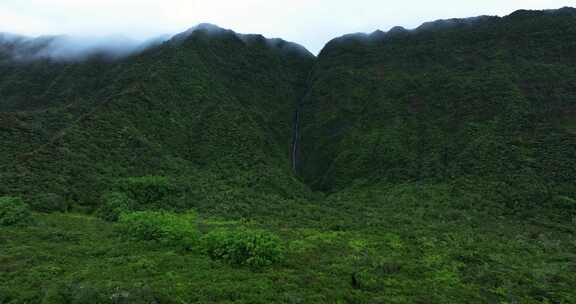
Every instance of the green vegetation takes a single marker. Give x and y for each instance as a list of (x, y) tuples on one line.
[(393, 244), (484, 99), (210, 111), (243, 247), (138, 194), (49, 202), (436, 166), (160, 226), (14, 212), (114, 204), (146, 190)]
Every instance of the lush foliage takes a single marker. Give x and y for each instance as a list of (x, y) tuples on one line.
[(209, 109), (114, 204), (390, 243), (445, 156), (145, 190), (255, 248), (141, 194), (483, 98), (49, 202), (14, 212), (160, 226)]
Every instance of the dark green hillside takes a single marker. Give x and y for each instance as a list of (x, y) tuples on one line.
[(484, 98), (434, 165), (207, 106)]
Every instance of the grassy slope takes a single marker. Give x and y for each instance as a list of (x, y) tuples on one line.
[(410, 244)]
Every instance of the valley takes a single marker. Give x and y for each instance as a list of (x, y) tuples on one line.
[(432, 165)]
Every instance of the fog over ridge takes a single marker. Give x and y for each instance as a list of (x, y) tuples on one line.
[(71, 48), (19, 48), (79, 47)]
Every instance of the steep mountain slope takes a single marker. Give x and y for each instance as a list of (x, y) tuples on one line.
[(446, 155), (485, 100), (209, 106)]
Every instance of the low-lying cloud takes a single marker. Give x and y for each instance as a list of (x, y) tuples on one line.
[(71, 48)]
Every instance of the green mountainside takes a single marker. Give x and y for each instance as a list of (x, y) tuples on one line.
[(433, 165), (208, 106), (489, 98)]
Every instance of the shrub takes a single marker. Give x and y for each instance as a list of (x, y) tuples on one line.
[(115, 204), (14, 212), (255, 248), (177, 229), (138, 194), (49, 202), (146, 190)]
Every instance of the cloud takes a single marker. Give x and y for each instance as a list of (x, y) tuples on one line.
[(71, 48), (309, 22)]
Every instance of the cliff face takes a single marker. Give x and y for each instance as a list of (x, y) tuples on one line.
[(483, 98)]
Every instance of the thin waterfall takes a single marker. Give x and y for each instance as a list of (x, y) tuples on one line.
[(295, 151), (296, 138)]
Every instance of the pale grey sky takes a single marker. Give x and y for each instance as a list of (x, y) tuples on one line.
[(308, 22)]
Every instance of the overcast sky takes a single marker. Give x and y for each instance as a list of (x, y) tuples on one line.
[(308, 22)]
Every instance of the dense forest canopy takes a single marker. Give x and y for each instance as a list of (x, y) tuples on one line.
[(432, 165)]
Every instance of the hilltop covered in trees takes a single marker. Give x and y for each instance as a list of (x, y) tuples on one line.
[(433, 165)]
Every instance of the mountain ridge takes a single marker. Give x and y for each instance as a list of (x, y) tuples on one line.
[(424, 166), (377, 34), (70, 92)]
